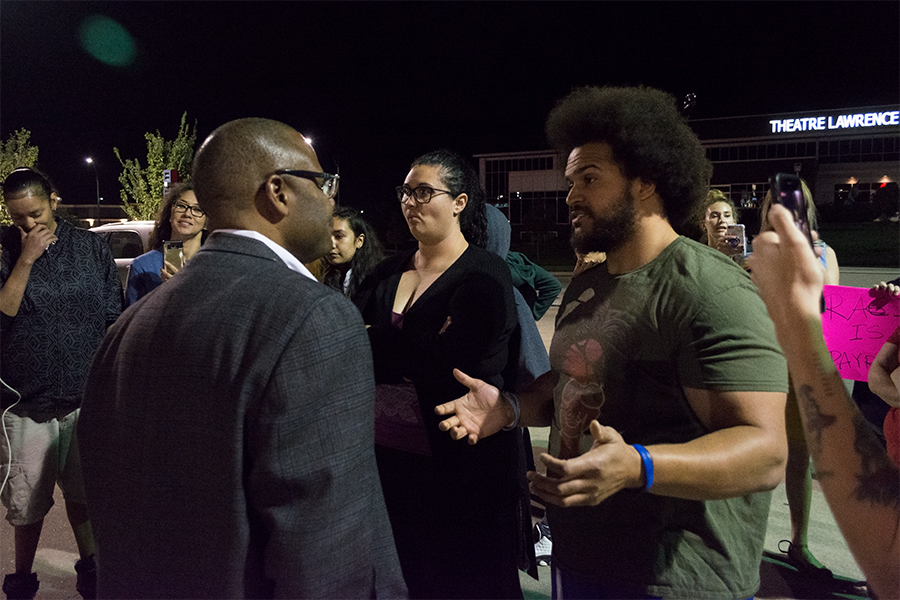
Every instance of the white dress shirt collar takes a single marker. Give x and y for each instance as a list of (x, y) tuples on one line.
[(289, 259)]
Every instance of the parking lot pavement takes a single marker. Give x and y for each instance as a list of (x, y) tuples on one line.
[(57, 553)]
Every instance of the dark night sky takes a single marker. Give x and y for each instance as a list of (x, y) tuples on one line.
[(377, 83)]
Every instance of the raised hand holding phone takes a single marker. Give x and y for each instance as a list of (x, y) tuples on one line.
[(787, 191)]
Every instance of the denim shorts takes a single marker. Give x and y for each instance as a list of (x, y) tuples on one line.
[(44, 453)]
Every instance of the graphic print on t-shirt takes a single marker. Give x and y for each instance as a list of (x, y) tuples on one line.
[(587, 330)]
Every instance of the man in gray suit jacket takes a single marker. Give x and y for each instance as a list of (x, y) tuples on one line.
[(227, 428)]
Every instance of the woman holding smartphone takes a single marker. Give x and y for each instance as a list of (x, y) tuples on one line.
[(180, 218), (719, 214)]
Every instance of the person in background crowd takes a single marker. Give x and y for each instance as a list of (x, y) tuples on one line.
[(528, 352), (872, 406), (859, 482), (179, 218), (538, 287), (453, 507), (355, 250), (797, 478), (669, 346), (59, 291), (827, 256), (884, 380), (227, 437), (719, 214)]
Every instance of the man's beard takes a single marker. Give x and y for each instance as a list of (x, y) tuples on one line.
[(606, 234)]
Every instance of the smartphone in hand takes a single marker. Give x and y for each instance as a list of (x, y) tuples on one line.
[(787, 191), (736, 237), (173, 252)]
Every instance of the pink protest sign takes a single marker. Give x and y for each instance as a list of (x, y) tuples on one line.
[(855, 326)]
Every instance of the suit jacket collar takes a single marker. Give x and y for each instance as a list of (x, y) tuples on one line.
[(256, 244)]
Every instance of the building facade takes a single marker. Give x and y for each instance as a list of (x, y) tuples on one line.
[(531, 189), (848, 157), (844, 155)]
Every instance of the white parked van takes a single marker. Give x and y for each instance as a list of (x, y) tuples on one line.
[(127, 240)]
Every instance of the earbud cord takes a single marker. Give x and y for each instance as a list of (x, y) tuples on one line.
[(6, 435)]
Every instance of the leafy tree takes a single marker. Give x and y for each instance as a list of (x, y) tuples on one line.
[(142, 188), (15, 152)]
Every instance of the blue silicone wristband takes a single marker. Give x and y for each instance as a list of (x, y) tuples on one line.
[(647, 466)]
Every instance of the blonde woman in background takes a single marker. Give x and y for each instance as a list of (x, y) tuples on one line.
[(797, 480), (719, 214)]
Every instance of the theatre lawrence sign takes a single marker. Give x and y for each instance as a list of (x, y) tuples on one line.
[(830, 122)]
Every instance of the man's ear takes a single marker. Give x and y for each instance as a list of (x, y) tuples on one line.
[(273, 200), (643, 189), (54, 200), (459, 204)]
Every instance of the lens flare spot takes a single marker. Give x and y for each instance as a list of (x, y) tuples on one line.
[(107, 41)]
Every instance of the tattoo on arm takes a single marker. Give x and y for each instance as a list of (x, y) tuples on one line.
[(878, 481), (816, 420)]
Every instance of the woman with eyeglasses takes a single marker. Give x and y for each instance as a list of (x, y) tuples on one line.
[(179, 218), (446, 305)]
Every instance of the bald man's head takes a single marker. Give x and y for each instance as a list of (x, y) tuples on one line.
[(235, 159), (236, 182)]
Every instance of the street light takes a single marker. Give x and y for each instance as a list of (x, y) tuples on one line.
[(90, 161), (317, 149)]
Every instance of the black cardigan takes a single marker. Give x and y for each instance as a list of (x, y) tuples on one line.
[(476, 293)]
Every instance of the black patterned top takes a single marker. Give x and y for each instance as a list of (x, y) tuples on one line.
[(73, 294)]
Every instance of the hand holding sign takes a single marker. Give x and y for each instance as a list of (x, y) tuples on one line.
[(856, 325)]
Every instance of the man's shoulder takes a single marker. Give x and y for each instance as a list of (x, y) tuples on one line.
[(260, 297), (684, 277), (225, 241), (687, 250), (254, 273), (698, 266), (226, 254)]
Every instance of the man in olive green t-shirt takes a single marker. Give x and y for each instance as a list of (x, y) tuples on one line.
[(666, 390)]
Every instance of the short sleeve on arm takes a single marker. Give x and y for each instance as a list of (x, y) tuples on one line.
[(732, 344)]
